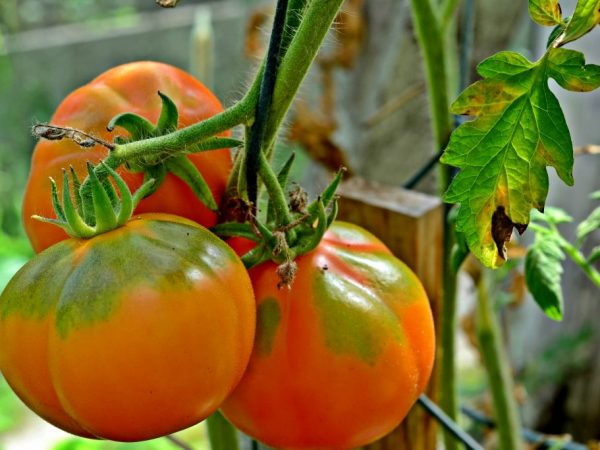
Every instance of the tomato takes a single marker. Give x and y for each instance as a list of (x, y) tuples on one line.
[(128, 88), (340, 358), (133, 334)]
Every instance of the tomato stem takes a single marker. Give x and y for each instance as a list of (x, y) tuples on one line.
[(182, 139), (302, 50), (498, 369)]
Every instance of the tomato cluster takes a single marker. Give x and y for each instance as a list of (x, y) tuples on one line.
[(149, 328)]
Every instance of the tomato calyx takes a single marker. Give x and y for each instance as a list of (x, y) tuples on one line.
[(283, 236), (156, 165), (99, 211)]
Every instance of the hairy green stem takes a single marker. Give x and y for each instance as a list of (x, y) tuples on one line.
[(498, 370), (221, 434), (240, 113), (302, 50), (447, 344), (448, 8), (578, 258), (431, 41), (296, 10)]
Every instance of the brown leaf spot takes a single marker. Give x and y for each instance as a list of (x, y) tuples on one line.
[(502, 228)]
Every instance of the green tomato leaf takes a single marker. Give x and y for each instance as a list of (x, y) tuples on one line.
[(543, 270), (585, 17), (518, 130), (590, 224), (569, 70), (545, 12)]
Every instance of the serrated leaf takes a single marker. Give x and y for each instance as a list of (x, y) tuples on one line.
[(585, 17), (552, 215), (590, 224), (545, 12), (543, 271), (569, 69), (518, 130)]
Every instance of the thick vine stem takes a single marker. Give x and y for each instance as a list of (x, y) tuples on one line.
[(182, 139), (431, 39), (498, 370), (299, 56)]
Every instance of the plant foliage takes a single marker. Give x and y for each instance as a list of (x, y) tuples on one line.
[(518, 131)]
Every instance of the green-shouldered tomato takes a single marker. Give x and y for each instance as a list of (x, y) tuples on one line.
[(340, 358), (130, 335)]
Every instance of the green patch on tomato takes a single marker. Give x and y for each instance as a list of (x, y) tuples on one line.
[(268, 317), (353, 318), (85, 281)]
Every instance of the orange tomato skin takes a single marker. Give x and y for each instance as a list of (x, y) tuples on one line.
[(131, 335), (341, 357), (133, 88)]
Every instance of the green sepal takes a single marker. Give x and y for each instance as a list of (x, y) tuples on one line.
[(77, 226), (169, 116), (142, 192), (60, 213), (76, 190), (183, 168), (156, 173), (318, 232), (105, 216), (138, 127), (230, 229), (126, 207), (328, 193), (106, 219), (282, 178), (256, 256), (56, 222), (333, 212), (267, 236)]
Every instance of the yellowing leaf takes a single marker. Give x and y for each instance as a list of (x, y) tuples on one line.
[(545, 12), (518, 130)]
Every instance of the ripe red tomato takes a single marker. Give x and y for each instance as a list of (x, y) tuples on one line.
[(133, 334), (128, 88), (340, 358)]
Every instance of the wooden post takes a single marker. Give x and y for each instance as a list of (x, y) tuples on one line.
[(411, 225)]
